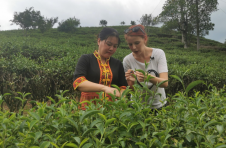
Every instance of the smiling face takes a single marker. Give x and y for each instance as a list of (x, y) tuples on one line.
[(107, 47), (136, 43)]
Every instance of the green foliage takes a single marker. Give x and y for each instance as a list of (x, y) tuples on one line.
[(122, 23), (44, 63), (147, 20), (103, 23), (27, 19), (31, 19), (188, 17), (69, 25), (133, 23), (45, 24), (196, 121)]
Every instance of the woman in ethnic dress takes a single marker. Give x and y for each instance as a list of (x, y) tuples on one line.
[(97, 71)]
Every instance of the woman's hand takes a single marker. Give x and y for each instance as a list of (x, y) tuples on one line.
[(140, 76), (129, 76), (111, 90)]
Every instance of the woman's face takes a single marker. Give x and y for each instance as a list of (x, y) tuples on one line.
[(136, 43), (107, 47)]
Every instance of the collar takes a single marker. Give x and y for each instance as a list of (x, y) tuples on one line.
[(98, 56)]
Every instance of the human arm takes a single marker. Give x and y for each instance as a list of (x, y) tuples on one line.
[(88, 86), (161, 68), (155, 80), (82, 79)]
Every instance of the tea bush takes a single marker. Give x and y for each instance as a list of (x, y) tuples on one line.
[(196, 121), (44, 63)]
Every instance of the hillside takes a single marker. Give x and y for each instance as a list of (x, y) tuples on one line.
[(44, 63)]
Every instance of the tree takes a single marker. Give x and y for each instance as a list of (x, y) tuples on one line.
[(69, 25), (122, 23), (188, 17), (201, 20), (225, 42), (103, 23), (147, 20), (27, 19), (176, 15), (45, 24), (133, 23), (31, 19)]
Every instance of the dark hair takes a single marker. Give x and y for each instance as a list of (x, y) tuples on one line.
[(107, 32)]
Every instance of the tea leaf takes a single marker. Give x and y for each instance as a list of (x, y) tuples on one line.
[(33, 123), (51, 99), (61, 101), (77, 139), (141, 144), (45, 144), (193, 84), (64, 144), (124, 114), (176, 77), (102, 116), (211, 123), (100, 127), (110, 132), (181, 100), (159, 84), (220, 129), (40, 112), (37, 136), (88, 113), (35, 115), (19, 98), (131, 125), (151, 142), (202, 109), (88, 131), (115, 86), (95, 122), (83, 142), (141, 71), (193, 119), (142, 124), (188, 137), (109, 121), (87, 145), (221, 146), (207, 144), (72, 122), (54, 144), (12, 116), (113, 145), (71, 145)]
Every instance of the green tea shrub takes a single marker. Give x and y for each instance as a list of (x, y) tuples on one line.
[(196, 121)]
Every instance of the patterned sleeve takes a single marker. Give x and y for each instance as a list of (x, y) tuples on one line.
[(81, 71)]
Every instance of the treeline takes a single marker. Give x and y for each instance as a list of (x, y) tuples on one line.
[(189, 17)]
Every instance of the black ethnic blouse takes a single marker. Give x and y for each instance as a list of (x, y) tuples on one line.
[(90, 67)]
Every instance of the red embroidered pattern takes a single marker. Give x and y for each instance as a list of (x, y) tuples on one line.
[(78, 81), (122, 87), (105, 71)]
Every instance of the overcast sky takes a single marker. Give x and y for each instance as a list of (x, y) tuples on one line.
[(90, 12)]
